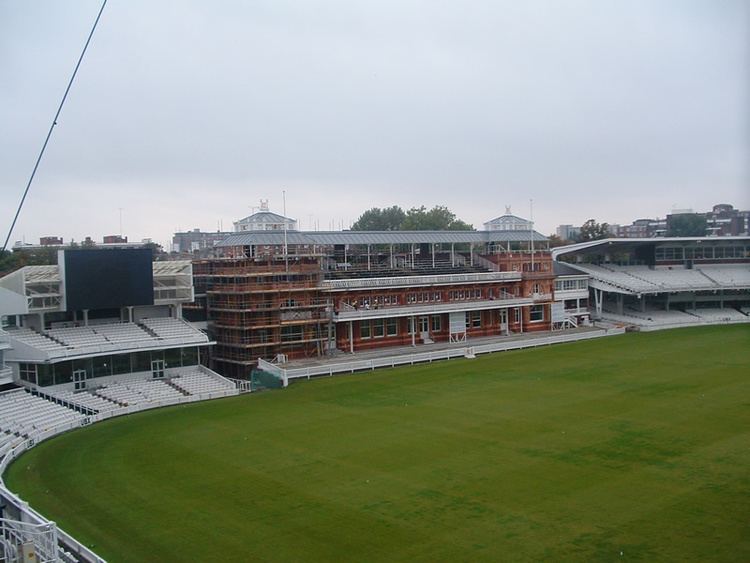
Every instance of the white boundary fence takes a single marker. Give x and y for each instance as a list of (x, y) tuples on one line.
[(431, 356), (52, 544)]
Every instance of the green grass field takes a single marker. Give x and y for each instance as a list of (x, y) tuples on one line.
[(634, 447)]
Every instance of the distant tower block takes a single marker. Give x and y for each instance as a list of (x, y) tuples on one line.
[(264, 205)]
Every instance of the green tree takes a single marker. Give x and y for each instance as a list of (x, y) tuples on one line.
[(555, 241), (376, 219), (687, 225), (591, 230), (439, 218)]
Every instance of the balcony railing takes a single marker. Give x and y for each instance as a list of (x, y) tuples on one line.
[(432, 308), (411, 281)]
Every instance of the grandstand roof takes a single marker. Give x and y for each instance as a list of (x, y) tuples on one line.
[(171, 267), (41, 274), (595, 246), (266, 217), (377, 237)]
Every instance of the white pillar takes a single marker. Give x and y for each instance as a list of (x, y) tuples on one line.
[(368, 257), (351, 336), (413, 330), (453, 257), (433, 254), (85, 317)]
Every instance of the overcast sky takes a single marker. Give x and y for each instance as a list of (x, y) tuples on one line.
[(185, 114)]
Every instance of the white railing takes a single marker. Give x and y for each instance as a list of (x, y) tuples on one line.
[(15, 533), (419, 357), (432, 308), (5, 373), (37, 522), (407, 281)]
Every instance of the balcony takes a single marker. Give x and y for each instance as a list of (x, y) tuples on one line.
[(416, 281), (432, 308)]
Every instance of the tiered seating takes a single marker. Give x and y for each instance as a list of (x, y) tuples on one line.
[(677, 278), (728, 276), (169, 328), (617, 278), (199, 383), (654, 318), (89, 400), (155, 390), (78, 337), (136, 392), (122, 333), (22, 413), (33, 338), (717, 315)]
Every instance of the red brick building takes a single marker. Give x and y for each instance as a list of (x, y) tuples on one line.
[(304, 294)]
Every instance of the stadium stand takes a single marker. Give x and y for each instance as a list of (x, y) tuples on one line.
[(168, 327), (22, 413), (34, 339), (715, 315), (197, 383), (728, 275)]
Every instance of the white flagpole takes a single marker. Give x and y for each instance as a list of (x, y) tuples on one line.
[(286, 250), (531, 213)]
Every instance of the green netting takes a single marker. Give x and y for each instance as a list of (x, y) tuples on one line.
[(260, 380)]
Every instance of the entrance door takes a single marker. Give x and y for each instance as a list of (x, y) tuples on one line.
[(157, 369), (424, 329), (79, 380), (503, 319)]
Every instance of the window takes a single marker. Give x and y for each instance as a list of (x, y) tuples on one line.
[(45, 375), (378, 328), (517, 314), (102, 366), (63, 372), (474, 319), (436, 324), (364, 330), (536, 314), (391, 327), (120, 364)]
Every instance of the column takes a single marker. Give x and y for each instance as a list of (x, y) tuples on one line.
[(351, 336), (413, 330)]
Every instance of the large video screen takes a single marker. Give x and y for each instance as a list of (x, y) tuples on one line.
[(108, 279)]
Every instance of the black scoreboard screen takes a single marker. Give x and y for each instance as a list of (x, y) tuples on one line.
[(108, 279)]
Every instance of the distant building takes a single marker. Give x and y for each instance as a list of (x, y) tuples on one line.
[(50, 241), (114, 239), (265, 220), (508, 222), (568, 232), (724, 220), (197, 242)]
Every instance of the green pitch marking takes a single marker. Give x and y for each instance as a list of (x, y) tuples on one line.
[(634, 447)]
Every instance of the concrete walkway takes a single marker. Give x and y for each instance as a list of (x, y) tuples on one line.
[(341, 356)]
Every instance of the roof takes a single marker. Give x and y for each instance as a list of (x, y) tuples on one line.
[(376, 237), (508, 217), (562, 269), (266, 217), (41, 274), (170, 267), (623, 243)]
